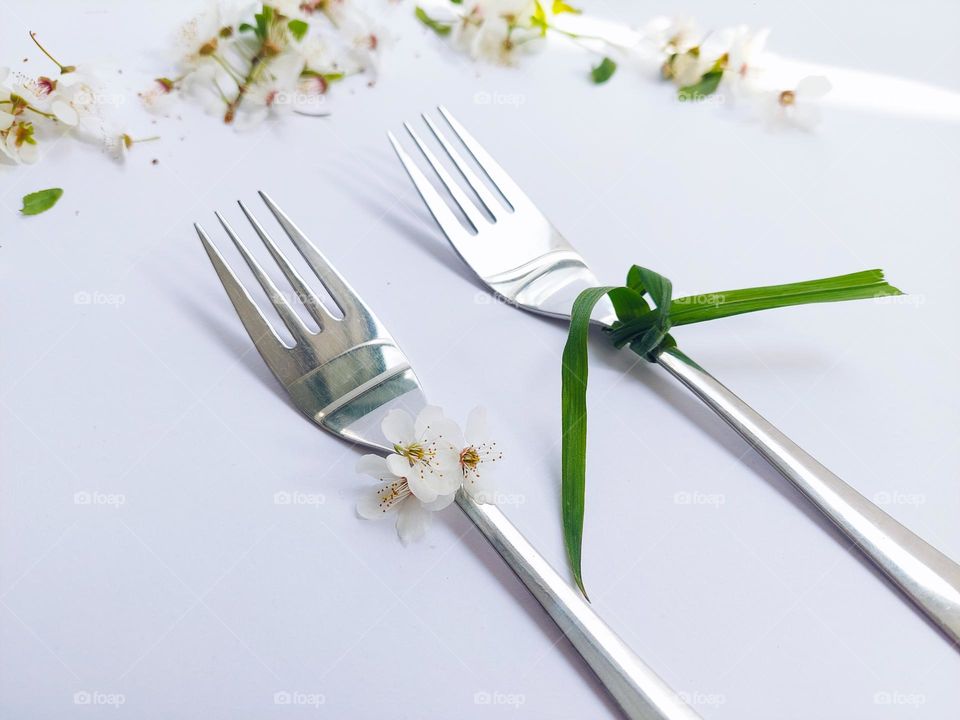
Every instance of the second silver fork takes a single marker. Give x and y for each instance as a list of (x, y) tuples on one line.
[(518, 253), (348, 375)]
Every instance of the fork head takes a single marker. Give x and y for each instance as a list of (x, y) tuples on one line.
[(505, 239), (344, 377)]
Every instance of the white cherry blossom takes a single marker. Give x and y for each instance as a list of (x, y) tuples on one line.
[(798, 107), (424, 451), (478, 458), (393, 496)]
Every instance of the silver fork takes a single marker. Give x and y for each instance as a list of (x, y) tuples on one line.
[(346, 377), (522, 257)]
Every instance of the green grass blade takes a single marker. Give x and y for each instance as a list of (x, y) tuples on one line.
[(573, 402)]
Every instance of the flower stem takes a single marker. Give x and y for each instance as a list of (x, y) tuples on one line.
[(27, 106), (257, 64), (64, 69), (231, 71)]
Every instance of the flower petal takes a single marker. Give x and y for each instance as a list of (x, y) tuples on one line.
[(444, 473), (480, 485), (369, 507), (813, 86), (375, 466), (6, 120), (441, 502), (429, 416), (475, 432), (397, 427), (413, 519), (29, 153), (64, 113), (383, 500), (422, 483), (397, 465), (806, 116)]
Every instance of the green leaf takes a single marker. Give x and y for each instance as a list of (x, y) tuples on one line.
[(438, 27), (560, 7), (660, 290), (298, 28), (539, 18), (604, 71), (706, 85), (727, 303), (645, 330), (264, 18), (40, 201), (573, 402), (247, 27), (628, 303)]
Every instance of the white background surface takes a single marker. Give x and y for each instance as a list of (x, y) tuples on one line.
[(201, 597)]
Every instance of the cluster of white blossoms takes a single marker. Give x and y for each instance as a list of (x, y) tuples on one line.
[(494, 30), (72, 101), (249, 61), (729, 64), (431, 460), (725, 64)]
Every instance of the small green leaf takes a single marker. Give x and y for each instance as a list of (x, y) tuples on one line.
[(246, 27), (707, 85), (264, 19), (457, 2), (604, 71), (40, 201), (298, 28), (559, 7), (438, 27)]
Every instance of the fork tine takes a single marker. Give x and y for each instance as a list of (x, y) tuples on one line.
[(299, 331), (340, 291), (486, 197), (498, 176), (310, 300), (438, 207), (260, 331), (459, 196)]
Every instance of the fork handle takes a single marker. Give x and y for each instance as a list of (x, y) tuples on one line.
[(927, 576), (639, 691)]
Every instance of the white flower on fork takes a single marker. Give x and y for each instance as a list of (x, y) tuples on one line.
[(395, 496), (478, 457), (424, 451)]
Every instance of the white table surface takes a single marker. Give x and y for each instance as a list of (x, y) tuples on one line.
[(186, 591)]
